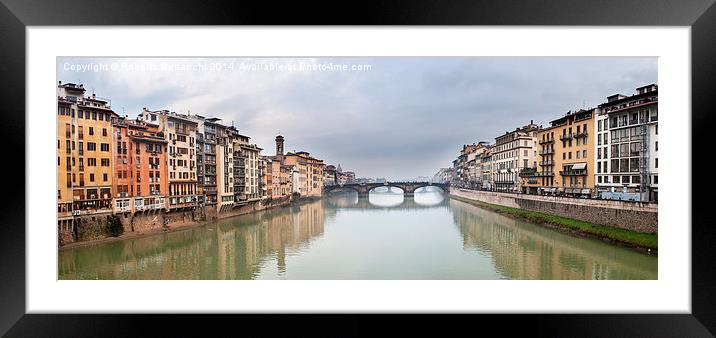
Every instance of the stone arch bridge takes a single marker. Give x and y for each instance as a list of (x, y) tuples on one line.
[(363, 189)]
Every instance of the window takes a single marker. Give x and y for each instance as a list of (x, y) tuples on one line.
[(91, 130), (80, 114), (101, 117), (656, 146), (570, 155), (104, 177), (656, 164), (104, 131), (634, 164), (91, 177), (104, 146), (94, 115), (584, 153), (91, 146), (615, 179), (105, 162), (599, 168)]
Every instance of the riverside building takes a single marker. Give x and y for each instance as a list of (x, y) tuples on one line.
[(627, 146), (512, 152), (566, 151), (180, 132), (247, 179), (140, 171), (84, 157)]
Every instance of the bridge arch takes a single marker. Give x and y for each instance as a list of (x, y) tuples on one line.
[(350, 187), (376, 186), (442, 187)]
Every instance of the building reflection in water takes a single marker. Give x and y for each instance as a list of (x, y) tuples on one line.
[(520, 250), (384, 236), (229, 249)]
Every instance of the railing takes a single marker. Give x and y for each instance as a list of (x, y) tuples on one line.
[(565, 137), (547, 141), (546, 163), (546, 152), (581, 134)]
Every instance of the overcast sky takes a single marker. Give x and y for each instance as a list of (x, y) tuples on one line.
[(401, 118)]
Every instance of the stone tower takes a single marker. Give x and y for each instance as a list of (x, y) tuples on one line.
[(279, 145)]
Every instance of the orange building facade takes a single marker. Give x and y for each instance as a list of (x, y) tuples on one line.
[(140, 171), (84, 158)]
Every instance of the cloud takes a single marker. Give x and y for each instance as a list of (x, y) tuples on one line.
[(403, 118)]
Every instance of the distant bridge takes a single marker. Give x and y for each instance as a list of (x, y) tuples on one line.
[(363, 189), (364, 203)]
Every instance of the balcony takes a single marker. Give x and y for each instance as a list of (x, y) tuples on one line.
[(581, 172), (546, 152), (546, 163), (547, 141), (124, 208), (544, 174), (528, 172), (565, 137), (581, 134)]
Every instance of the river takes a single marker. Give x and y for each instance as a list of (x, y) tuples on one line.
[(342, 236)]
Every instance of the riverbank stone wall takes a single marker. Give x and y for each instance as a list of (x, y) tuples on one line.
[(636, 216)]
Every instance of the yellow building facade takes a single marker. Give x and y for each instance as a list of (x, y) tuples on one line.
[(566, 151)]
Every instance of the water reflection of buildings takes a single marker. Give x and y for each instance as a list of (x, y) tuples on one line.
[(231, 249), (526, 251)]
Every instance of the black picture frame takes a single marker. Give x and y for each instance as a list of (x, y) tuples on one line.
[(15, 15)]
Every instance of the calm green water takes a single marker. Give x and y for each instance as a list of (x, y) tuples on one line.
[(342, 236)]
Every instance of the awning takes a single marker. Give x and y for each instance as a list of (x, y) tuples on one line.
[(579, 166)]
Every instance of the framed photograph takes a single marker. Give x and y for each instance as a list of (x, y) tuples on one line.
[(499, 162)]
